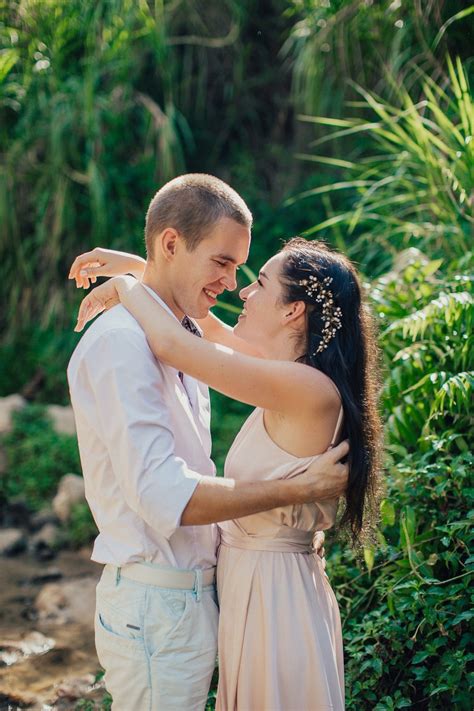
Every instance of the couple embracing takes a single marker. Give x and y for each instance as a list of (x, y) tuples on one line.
[(302, 353)]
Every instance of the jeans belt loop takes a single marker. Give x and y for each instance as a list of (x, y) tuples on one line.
[(198, 584)]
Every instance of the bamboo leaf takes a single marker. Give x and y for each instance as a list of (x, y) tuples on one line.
[(458, 16), (8, 59), (325, 160)]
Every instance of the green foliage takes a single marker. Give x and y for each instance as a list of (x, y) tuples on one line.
[(426, 337), (227, 418), (91, 126), (100, 103), (413, 185), (333, 45), (407, 618), (36, 360), (407, 621), (37, 457), (104, 704), (81, 528)]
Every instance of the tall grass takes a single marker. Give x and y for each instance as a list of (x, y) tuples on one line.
[(413, 182), (332, 44), (92, 102), (401, 203)]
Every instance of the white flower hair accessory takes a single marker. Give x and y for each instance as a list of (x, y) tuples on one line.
[(331, 314)]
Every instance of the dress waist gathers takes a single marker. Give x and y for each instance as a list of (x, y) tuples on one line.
[(291, 541)]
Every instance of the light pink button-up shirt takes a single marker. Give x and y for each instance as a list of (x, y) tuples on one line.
[(144, 442)]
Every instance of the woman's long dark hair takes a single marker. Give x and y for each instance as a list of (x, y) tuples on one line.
[(351, 360)]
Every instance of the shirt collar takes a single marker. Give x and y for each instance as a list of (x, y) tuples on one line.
[(167, 308), (160, 301)]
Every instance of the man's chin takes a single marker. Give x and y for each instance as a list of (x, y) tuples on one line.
[(198, 312)]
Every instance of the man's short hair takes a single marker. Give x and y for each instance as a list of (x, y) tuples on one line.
[(192, 204)]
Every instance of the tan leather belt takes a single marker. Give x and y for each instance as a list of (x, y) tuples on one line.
[(167, 578)]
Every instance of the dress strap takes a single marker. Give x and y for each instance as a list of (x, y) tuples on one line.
[(338, 424)]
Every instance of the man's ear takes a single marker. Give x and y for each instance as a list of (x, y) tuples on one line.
[(294, 311), (167, 243)]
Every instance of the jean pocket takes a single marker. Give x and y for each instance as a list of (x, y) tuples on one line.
[(120, 596), (173, 601), (166, 614), (125, 627)]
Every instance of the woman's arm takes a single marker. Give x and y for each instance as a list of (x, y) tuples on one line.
[(272, 384), (217, 331), (109, 262), (104, 262)]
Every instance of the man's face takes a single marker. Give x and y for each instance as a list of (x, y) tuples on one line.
[(201, 275)]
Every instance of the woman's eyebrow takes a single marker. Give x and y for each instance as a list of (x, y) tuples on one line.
[(262, 274)]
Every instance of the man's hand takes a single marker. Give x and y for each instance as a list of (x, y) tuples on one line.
[(318, 545), (327, 477)]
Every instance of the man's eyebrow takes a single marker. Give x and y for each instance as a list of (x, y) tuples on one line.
[(262, 274)]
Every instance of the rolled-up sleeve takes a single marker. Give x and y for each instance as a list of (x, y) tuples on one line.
[(127, 385)]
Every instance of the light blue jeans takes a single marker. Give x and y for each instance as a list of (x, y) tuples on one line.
[(158, 646)]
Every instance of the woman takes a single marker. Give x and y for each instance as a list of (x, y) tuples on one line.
[(280, 642)]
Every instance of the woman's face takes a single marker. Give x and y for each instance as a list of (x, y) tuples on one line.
[(262, 316)]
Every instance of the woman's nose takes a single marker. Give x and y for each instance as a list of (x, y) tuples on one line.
[(243, 292)]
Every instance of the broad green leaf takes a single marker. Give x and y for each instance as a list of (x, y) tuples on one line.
[(387, 512), (369, 557)]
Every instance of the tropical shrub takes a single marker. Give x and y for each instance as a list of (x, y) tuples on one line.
[(335, 44), (81, 528), (414, 184), (407, 619), (36, 458), (407, 631)]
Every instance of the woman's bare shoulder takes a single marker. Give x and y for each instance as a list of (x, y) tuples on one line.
[(320, 394)]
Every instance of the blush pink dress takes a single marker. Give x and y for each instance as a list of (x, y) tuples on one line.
[(280, 641)]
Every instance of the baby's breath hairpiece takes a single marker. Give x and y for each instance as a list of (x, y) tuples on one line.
[(331, 314)]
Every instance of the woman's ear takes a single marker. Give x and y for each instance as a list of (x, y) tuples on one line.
[(294, 311)]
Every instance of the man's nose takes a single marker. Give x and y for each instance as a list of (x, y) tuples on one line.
[(230, 280)]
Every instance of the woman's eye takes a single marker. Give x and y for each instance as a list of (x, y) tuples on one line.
[(259, 282), (221, 264)]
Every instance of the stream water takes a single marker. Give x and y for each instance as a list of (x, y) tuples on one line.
[(43, 661)]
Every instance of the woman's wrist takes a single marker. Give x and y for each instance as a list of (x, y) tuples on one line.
[(124, 284)]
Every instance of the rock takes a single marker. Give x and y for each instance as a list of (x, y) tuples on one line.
[(70, 492), (8, 405), (75, 687), (15, 513), (44, 544), (12, 541), (15, 702), (32, 644), (68, 601), (63, 419), (50, 575), (41, 518), (85, 552)]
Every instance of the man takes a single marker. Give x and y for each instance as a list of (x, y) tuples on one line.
[(144, 440)]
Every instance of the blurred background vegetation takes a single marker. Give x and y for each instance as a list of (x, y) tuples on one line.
[(345, 120)]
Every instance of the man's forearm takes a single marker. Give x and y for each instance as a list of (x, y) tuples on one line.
[(223, 499)]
